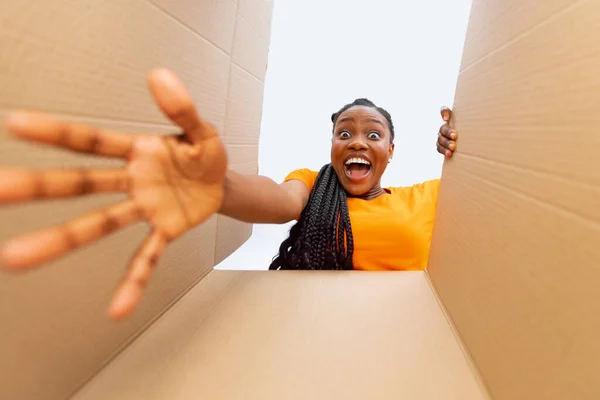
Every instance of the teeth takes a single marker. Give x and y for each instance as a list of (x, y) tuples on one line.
[(356, 160)]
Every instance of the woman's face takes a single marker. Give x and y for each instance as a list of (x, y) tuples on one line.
[(360, 148)]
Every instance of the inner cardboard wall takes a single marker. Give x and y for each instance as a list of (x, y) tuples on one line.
[(296, 335), (515, 249), (87, 62)]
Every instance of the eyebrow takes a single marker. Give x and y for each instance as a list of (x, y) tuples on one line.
[(344, 119), (376, 121), (348, 118)]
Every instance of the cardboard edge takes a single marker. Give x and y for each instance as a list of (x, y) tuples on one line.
[(218, 259), (222, 136), (459, 341), (235, 28), (146, 327), (242, 62)]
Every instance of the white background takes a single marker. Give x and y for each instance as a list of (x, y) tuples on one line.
[(403, 55)]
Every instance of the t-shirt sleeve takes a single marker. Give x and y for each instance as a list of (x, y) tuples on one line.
[(428, 189), (427, 192), (306, 176)]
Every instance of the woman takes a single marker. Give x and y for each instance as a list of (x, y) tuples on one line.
[(177, 182)]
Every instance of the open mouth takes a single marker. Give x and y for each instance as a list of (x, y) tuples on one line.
[(357, 168)]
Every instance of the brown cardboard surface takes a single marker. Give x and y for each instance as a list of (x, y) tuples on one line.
[(258, 14), (206, 294), (88, 61), (295, 335), (494, 24), (515, 250), (242, 130), (231, 234), (214, 21), (244, 155), (244, 108), (250, 50), (72, 56)]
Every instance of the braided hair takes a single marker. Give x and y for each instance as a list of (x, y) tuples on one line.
[(322, 237)]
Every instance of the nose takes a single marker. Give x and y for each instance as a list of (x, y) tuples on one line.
[(357, 145)]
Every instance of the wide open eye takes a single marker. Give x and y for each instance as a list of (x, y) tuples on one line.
[(344, 134), (374, 135)]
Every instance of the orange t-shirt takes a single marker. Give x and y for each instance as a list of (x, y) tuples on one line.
[(392, 231)]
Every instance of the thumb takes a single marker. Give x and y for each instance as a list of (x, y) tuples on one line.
[(446, 114), (175, 101)]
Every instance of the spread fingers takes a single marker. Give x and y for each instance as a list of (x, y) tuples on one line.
[(46, 245), (18, 185), (45, 128), (130, 291)]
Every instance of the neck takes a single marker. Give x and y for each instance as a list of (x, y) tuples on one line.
[(375, 192)]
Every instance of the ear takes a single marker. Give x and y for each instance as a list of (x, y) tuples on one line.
[(391, 150)]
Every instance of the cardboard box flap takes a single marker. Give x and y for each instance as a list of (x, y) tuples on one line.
[(72, 57), (87, 62), (250, 51), (258, 13), (296, 335), (214, 21), (516, 248)]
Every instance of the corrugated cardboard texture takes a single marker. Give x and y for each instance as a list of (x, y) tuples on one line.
[(516, 244), (73, 56), (252, 36), (295, 335), (258, 13), (87, 61), (213, 20), (250, 50)]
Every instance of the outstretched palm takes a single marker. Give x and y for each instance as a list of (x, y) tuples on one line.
[(174, 182)]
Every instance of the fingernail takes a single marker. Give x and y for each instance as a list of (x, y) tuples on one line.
[(453, 134), (452, 146), (117, 306), (124, 301), (10, 257), (446, 114), (15, 119)]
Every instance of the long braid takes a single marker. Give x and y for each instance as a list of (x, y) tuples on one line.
[(329, 253), (349, 239), (311, 244), (322, 237), (324, 247), (315, 228)]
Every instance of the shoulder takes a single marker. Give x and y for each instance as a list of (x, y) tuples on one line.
[(305, 175), (432, 186), (426, 189)]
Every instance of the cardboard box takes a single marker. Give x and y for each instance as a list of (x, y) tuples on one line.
[(515, 251), (506, 310)]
